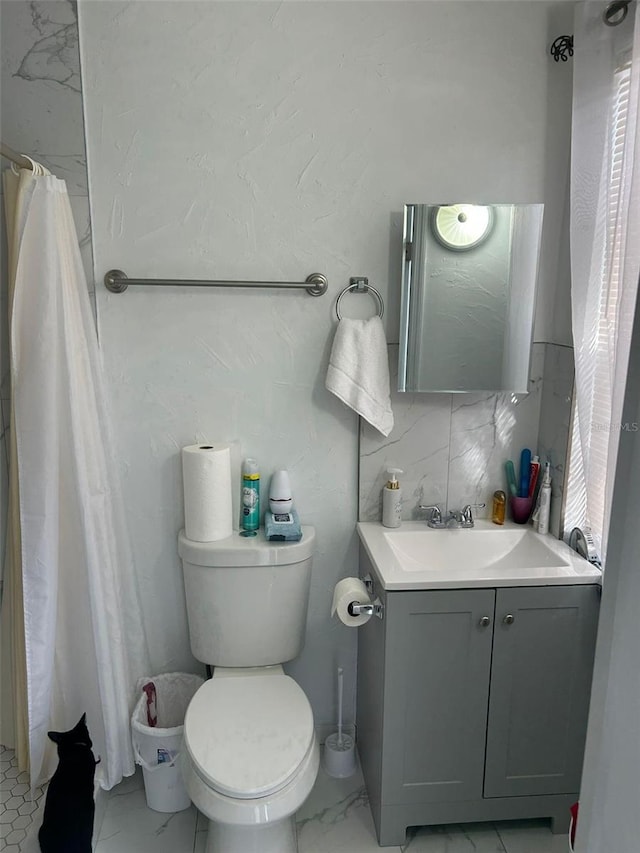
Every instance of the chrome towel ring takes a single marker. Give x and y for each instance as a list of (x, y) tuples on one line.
[(359, 284)]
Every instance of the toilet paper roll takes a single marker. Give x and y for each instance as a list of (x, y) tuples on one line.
[(345, 592), (206, 474)]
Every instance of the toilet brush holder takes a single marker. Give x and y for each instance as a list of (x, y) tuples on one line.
[(339, 748), (340, 756)]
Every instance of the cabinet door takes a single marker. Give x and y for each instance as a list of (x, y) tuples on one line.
[(437, 663), (543, 648)]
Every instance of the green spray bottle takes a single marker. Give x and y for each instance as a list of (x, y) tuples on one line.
[(250, 498)]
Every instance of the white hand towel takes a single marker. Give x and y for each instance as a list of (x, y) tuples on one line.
[(359, 371)]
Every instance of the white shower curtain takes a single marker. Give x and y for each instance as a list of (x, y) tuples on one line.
[(608, 818), (85, 642), (605, 244)]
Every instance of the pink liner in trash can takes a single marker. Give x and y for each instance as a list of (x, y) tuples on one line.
[(152, 705)]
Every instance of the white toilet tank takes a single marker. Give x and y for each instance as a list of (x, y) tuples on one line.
[(247, 598)]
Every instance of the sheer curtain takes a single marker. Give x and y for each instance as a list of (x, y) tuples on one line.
[(14, 715), (605, 251), (85, 642)]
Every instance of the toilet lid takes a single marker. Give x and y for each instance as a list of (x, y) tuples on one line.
[(248, 735)]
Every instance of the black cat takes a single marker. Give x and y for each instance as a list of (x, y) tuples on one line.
[(69, 809)]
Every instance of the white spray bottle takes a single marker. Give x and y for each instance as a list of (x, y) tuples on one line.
[(544, 500)]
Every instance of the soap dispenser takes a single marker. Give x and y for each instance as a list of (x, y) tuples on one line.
[(392, 500)]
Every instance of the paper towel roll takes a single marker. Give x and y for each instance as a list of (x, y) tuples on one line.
[(206, 475), (345, 592)]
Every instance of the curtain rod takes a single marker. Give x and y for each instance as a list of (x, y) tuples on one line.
[(16, 158)]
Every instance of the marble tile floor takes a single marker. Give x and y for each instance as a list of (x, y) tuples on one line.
[(335, 819)]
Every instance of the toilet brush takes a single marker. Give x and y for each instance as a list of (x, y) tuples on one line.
[(339, 748)]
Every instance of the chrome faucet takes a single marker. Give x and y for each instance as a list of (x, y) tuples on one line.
[(464, 516), (457, 518), (434, 519)]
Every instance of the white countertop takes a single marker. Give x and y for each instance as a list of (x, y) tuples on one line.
[(400, 570)]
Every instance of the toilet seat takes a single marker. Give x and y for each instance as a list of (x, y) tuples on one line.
[(247, 736)]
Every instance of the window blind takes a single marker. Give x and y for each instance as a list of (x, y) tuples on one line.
[(586, 501)]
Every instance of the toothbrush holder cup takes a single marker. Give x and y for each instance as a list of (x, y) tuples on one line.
[(521, 509)]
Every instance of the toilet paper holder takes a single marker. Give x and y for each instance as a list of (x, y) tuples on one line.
[(376, 608)]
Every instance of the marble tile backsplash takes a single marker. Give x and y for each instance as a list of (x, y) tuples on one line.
[(419, 444), (452, 447)]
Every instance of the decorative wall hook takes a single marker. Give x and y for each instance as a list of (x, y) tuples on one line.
[(562, 48)]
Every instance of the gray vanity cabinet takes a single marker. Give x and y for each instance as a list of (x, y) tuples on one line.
[(543, 647), (472, 704), (443, 640)]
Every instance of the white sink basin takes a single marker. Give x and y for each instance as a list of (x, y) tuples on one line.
[(448, 550), (417, 557)]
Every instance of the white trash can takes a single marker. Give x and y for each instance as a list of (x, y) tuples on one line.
[(157, 748)]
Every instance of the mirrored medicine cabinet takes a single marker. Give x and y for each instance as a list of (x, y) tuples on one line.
[(469, 274)]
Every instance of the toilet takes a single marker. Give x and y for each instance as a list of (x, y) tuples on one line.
[(250, 756)]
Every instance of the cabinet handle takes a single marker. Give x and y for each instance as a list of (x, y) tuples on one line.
[(508, 619), (485, 621)]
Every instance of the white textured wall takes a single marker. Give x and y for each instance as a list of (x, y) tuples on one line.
[(260, 140), (553, 309)]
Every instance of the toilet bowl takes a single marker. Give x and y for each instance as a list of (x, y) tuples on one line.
[(250, 756)]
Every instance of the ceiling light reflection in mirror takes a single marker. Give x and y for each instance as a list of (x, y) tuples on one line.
[(461, 227)]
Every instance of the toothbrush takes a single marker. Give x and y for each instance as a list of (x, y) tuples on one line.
[(511, 478), (525, 472)]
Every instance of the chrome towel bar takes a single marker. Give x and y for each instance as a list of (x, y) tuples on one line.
[(117, 282)]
